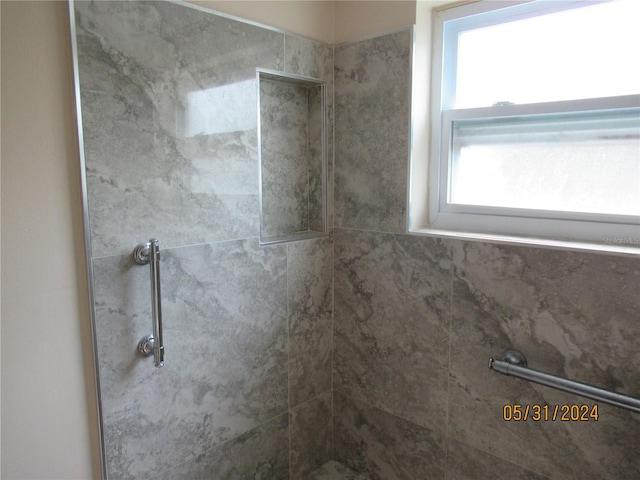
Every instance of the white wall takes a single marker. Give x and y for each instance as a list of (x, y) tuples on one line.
[(49, 420), (48, 414), (361, 19)]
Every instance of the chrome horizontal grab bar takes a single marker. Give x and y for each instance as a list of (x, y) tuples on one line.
[(514, 363)]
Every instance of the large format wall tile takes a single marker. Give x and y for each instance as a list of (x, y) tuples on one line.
[(225, 335), (285, 158), (570, 314), (373, 84), (383, 446), (318, 161), (335, 470), (314, 59), (169, 118), (311, 434), (310, 58), (467, 463), (391, 340), (261, 453), (169, 107), (310, 297)]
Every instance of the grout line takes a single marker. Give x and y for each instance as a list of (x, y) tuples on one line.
[(333, 244), (288, 323), (385, 411), (333, 320), (448, 373), (226, 442)]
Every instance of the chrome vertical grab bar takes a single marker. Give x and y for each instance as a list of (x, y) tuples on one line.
[(514, 363), (149, 253)]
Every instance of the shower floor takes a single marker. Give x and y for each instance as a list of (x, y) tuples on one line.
[(335, 471)]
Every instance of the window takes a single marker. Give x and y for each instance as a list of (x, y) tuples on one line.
[(536, 120)]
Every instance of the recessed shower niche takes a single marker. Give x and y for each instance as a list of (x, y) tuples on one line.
[(293, 156)]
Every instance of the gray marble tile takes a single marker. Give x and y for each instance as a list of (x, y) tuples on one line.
[(392, 314), (335, 471), (314, 59), (169, 121), (383, 446), (286, 160), (310, 287), (261, 453), (311, 433), (467, 463), (308, 57), (373, 85), (318, 178), (225, 335), (573, 315)]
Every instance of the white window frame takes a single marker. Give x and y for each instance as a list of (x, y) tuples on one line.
[(467, 220)]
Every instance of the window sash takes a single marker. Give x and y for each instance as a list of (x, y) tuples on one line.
[(629, 103), (482, 220)]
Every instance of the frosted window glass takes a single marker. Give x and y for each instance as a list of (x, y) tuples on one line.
[(571, 164)]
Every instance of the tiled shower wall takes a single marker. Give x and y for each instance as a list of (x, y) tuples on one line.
[(417, 319), (246, 388), (291, 155)]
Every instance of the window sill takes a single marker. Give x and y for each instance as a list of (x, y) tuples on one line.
[(607, 247)]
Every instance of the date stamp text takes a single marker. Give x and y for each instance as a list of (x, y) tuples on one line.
[(570, 412)]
